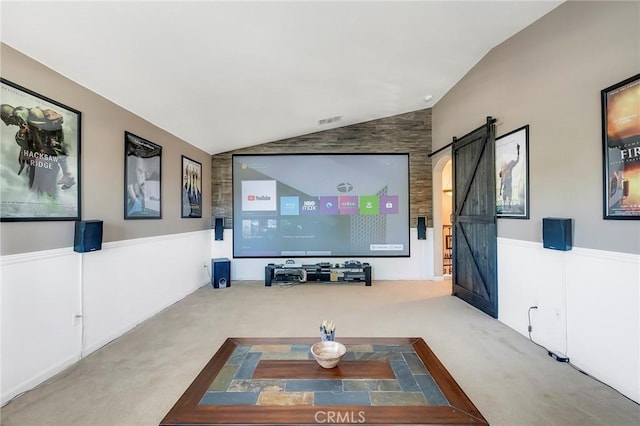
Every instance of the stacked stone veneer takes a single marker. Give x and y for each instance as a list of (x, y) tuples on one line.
[(404, 133)]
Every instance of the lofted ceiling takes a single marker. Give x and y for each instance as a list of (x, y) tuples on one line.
[(227, 75)]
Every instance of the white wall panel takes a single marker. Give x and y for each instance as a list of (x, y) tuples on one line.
[(529, 275), (588, 306), (603, 311), (130, 281), (40, 296), (113, 289)]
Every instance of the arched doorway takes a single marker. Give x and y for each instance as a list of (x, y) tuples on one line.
[(442, 205)]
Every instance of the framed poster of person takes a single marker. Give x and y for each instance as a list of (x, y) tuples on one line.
[(39, 157), (512, 174), (143, 177), (621, 149), (191, 188)]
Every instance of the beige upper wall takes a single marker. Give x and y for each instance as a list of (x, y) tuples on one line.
[(550, 76), (102, 165)]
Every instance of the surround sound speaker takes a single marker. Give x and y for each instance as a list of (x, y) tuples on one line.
[(220, 272), (557, 233), (422, 228), (88, 236), (219, 228)]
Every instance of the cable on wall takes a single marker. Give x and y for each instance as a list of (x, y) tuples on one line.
[(530, 328)]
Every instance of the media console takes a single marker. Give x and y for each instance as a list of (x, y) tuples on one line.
[(319, 272)]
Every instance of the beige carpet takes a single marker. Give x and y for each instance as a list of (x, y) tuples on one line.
[(136, 379)]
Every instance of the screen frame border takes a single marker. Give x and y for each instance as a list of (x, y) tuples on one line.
[(407, 155)]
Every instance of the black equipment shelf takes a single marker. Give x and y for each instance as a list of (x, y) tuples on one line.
[(319, 272)]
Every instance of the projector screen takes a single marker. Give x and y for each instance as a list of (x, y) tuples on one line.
[(328, 205)]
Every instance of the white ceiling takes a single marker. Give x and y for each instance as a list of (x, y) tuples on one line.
[(226, 75)]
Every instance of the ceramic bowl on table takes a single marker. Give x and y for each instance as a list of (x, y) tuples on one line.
[(328, 354)]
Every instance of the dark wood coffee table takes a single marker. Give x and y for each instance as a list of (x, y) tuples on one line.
[(275, 381)]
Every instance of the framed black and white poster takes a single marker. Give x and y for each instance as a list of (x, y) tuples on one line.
[(39, 157), (143, 177), (512, 174), (191, 188), (621, 149)]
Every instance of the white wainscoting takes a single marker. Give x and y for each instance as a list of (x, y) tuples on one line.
[(588, 300), (419, 266), (113, 290), (603, 317), (588, 303), (130, 281), (40, 295)]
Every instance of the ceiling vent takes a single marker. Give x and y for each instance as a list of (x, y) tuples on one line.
[(329, 120)]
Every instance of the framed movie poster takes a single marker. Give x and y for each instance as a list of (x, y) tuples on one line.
[(512, 174), (191, 188), (621, 145), (142, 179), (39, 157)]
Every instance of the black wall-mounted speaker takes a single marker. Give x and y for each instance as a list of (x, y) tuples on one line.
[(422, 228), (557, 233), (220, 272), (219, 228), (88, 236)]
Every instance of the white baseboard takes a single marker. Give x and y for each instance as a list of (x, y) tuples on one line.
[(33, 382)]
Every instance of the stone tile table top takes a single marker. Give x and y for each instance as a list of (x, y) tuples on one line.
[(277, 381)]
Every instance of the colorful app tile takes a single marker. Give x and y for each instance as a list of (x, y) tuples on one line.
[(329, 205), (309, 205), (289, 206), (389, 204), (348, 204), (258, 195), (369, 204)]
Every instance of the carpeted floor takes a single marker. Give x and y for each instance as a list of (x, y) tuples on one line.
[(136, 379)]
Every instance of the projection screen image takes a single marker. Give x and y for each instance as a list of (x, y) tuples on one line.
[(330, 205)]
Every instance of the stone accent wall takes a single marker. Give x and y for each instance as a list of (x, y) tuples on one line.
[(404, 133)]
